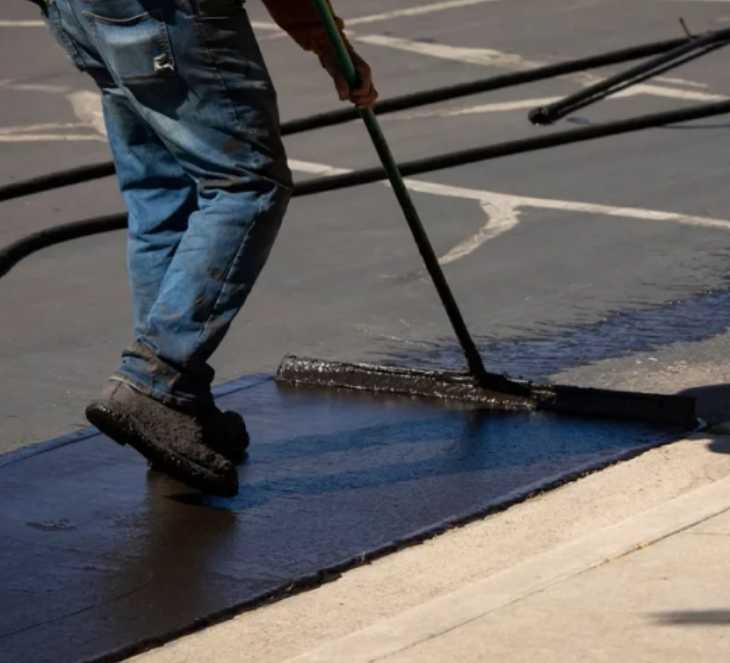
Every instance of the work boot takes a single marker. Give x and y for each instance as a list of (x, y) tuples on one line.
[(173, 439), (225, 433)]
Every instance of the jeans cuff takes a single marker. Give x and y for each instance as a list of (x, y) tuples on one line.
[(176, 401)]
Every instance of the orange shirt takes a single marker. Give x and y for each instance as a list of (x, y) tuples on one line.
[(300, 20)]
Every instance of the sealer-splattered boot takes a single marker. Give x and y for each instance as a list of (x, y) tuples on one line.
[(226, 433), (174, 440)]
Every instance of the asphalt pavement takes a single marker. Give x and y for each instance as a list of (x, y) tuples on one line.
[(598, 263)]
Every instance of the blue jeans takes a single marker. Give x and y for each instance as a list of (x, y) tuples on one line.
[(192, 120)]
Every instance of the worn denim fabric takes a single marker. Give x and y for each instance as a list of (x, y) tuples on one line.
[(192, 120)]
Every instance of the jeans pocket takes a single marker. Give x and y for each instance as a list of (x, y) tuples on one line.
[(136, 48), (54, 23), (138, 53)]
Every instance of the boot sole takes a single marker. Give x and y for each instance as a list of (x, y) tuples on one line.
[(235, 460), (117, 426)]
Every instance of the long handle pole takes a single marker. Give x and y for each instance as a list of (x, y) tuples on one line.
[(473, 358)]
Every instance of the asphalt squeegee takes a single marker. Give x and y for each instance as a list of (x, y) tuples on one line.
[(477, 385)]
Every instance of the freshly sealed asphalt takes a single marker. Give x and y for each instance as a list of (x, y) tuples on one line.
[(101, 558)]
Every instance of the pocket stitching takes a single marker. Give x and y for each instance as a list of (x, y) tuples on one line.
[(132, 20), (163, 38)]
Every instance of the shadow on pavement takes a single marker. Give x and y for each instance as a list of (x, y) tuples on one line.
[(713, 402), (695, 617)]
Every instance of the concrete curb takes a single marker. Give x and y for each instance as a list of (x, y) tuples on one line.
[(460, 607)]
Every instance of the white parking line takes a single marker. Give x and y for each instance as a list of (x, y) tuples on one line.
[(525, 104), (87, 108), (26, 128), (387, 16), (30, 133), (488, 57), (266, 25), (416, 11), (503, 210), (47, 138), (12, 84), (22, 24)]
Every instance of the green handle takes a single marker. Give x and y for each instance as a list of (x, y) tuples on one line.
[(342, 54), (347, 68)]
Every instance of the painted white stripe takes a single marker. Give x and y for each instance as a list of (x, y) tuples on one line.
[(31, 138), (416, 11), (492, 58), (503, 210), (485, 57), (532, 103), (22, 24), (680, 81), (634, 91), (501, 217), (87, 108), (265, 25), (29, 128), (387, 16), (670, 93), (316, 168), (498, 107), (33, 87)]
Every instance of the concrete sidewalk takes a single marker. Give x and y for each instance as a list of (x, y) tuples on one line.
[(667, 602), (625, 565), (651, 588)]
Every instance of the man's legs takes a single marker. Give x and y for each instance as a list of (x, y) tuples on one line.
[(159, 196), (199, 84)]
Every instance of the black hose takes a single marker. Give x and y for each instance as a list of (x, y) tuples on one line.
[(404, 102), (56, 180), (552, 112), (546, 115), (437, 95), (12, 254), (512, 147)]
